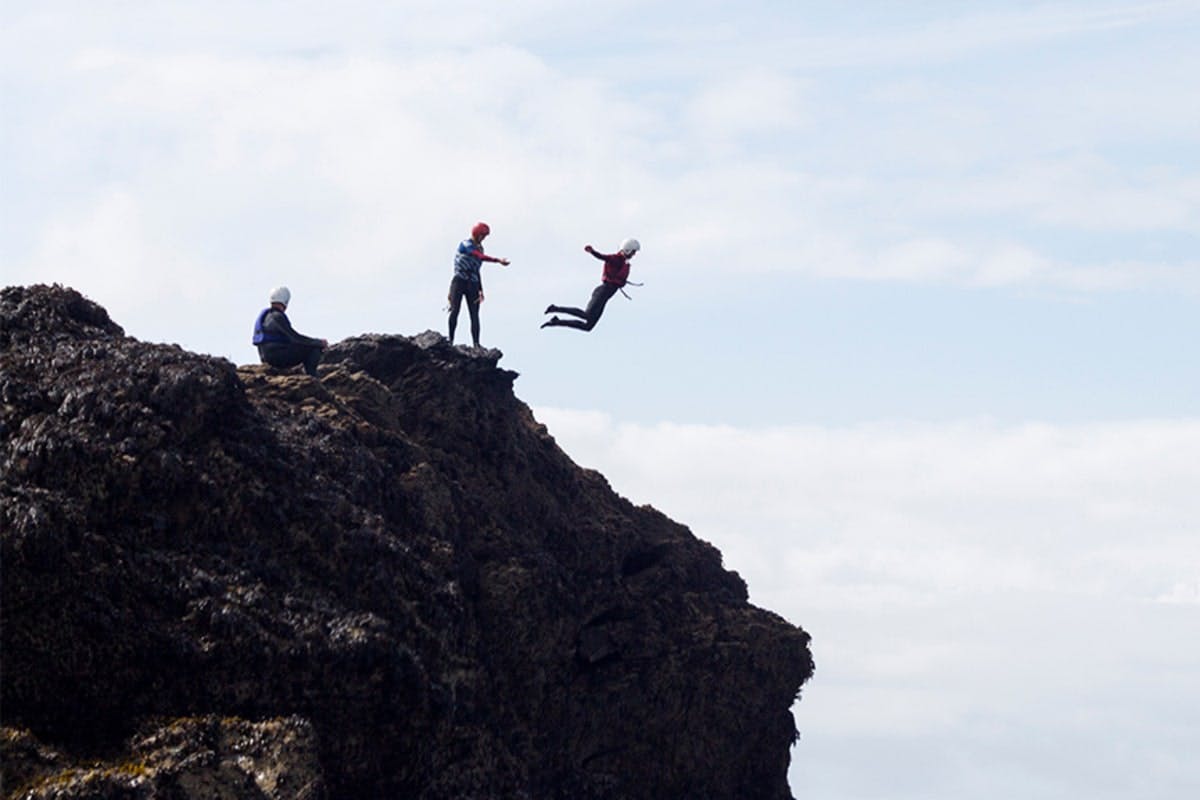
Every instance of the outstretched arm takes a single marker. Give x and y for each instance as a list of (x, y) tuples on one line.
[(588, 248), (482, 256)]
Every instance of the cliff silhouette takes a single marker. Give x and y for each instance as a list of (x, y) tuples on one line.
[(388, 582)]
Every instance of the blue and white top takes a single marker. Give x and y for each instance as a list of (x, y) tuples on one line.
[(468, 259)]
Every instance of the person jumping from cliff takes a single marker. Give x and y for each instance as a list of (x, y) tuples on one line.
[(466, 282), (615, 275), (279, 345)]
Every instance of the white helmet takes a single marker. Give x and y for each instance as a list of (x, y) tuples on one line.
[(280, 294), (630, 246)]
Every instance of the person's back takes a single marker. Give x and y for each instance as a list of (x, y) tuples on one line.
[(269, 330)]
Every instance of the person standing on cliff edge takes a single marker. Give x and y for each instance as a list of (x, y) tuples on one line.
[(466, 282), (615, 275), (279, 345)]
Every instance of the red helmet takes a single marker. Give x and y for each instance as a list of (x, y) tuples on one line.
[(480, 229)]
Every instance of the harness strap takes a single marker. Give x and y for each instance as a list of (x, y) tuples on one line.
[(628, 283)]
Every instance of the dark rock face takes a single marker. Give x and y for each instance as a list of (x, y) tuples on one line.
[(385, 583)]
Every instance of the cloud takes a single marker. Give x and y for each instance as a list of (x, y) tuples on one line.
[(1091, 481), (109, 248), (901, 38), (1077, 192), (319, 150), (968, 585), (754, 101), (341, 171)]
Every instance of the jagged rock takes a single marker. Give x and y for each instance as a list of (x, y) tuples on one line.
[(189, 759), (395, 559)]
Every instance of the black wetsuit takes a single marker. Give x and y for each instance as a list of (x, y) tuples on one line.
[(467, 283), (281, 346), (615, 275), (464, 288), (588, 317)]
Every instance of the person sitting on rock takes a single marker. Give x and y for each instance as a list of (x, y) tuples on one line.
[(279, 345), (466, 282), (616, 275)]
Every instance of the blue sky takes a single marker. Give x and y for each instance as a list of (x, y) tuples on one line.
[(915, 347)]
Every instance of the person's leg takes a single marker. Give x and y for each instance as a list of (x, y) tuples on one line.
[(312, 357), (456, 296), (284, 356), (575, 312), (555, 322), (595, 308), (591, 316), (473, 309)]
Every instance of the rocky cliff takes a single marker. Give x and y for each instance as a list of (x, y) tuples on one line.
[(388, 582)]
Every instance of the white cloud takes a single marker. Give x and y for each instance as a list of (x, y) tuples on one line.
[(362, 161), (1080, 192), (336, 171), (1049, 507), (749, 102), (903, 38), (965, 583), (1182, 594), (107, 248)]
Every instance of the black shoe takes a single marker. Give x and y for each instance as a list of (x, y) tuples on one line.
[(550, 308), (551, 321)]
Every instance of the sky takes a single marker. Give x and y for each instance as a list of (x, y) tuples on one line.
[(915, 345)]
